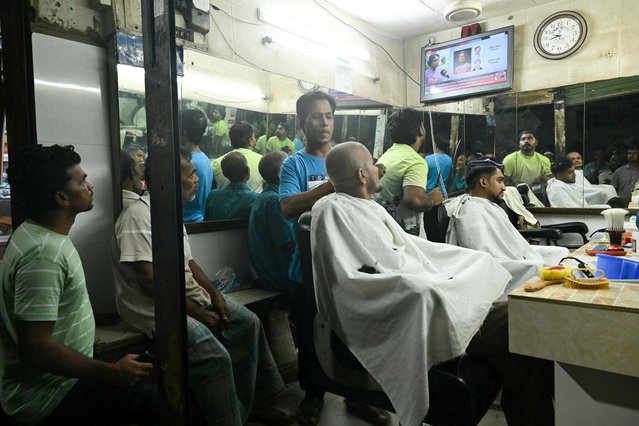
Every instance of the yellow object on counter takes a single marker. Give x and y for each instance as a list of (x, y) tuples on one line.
[(556, 272)]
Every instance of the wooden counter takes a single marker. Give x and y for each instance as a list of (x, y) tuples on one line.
[(593, 337)]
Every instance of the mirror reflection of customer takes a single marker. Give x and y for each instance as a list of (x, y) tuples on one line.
[(439, 165), (280, 140), (434, 73), (625, 177), (220, 132), (462, 64), (193, 128), (526, 165), (459, 178), (562, 190), (243, 142), (592, 194)]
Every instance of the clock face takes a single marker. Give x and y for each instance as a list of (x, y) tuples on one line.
[(560, 35)]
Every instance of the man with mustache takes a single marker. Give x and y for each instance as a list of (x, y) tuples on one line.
[(526, 165)]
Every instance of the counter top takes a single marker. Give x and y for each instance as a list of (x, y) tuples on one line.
[(597, 329)]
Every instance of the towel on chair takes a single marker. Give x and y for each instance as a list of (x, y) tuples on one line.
[(417, 304)]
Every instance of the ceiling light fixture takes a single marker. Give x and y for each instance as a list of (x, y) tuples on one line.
[(464, 10), (312, 34)]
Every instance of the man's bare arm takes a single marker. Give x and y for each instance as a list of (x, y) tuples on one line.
[(295, 205), (416, 198), (39, 349)]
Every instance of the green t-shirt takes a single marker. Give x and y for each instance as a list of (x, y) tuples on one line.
[(260, 144), (520, 168), (255, 182), (404, 167), (42, 280), (275, 144)]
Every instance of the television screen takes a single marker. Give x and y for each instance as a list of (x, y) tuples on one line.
[(469, 66)]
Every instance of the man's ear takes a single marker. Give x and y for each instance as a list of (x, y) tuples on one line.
[(61, 198), (361, 175), (483, 182)]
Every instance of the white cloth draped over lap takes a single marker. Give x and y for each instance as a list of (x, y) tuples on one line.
[(594, 194), (421, 307), (513, 200), (571, 195), (482, 225)]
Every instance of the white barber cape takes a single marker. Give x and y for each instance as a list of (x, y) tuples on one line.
[(562, 194), (420, 307), (594, 194), (482, 225)]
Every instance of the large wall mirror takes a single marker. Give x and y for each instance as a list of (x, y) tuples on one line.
[(595, 121), (217, 95)]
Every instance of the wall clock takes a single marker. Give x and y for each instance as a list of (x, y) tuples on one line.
[(560, 35), (306, 87)]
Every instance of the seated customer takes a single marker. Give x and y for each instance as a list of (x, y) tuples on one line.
[(592, 194), (47, 371), (230, 365), (193, 128), (563, 191), (415, 302), (271, 237), (477, 222), (131, 174), (243, 142), (235, 200)]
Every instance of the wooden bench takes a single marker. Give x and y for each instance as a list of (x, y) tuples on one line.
[(113, 341)]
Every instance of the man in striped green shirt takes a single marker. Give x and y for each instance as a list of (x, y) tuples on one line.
[(47, 374)]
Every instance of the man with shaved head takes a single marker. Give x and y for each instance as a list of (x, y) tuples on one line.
[(371, 275)]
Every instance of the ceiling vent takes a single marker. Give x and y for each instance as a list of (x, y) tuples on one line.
[(461, 11)]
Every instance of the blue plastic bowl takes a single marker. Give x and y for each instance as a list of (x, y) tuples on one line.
[(618, 267)]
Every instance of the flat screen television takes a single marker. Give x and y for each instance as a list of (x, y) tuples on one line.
[(468, 66)]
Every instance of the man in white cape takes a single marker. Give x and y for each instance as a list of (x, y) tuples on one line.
[(422, 304), (564, 190), (594, 195), (477, 222)]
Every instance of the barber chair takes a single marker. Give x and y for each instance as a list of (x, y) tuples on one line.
[(436, 223), (461, 390), (579, 228)]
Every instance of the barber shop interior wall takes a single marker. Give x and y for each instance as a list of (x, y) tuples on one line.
[(611, 48), (71, 109), (237, 35)]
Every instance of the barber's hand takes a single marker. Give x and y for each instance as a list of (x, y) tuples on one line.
[(436, 196), (381, 170), (128, 371), (221, 308)]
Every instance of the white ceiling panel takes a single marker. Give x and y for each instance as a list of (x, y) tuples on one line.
[(405, 19)]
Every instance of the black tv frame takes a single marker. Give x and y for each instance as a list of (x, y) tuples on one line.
[(473, 91)]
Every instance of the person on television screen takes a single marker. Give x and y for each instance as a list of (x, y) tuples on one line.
[(477, 65), (434, 73), (478, 51), (461, 62)]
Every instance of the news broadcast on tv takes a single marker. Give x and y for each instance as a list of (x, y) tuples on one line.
[(465, 65)]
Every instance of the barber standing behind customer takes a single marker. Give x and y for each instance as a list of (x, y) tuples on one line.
[(403, 192)]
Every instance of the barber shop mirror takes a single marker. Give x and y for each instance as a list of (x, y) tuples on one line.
[(214, 95)]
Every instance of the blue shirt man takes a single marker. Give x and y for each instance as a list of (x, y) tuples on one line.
[(193, 211), (300, 173), (271, 235), (193, 122), (445, 164)]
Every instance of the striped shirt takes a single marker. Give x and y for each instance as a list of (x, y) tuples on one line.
[(42, 280)]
